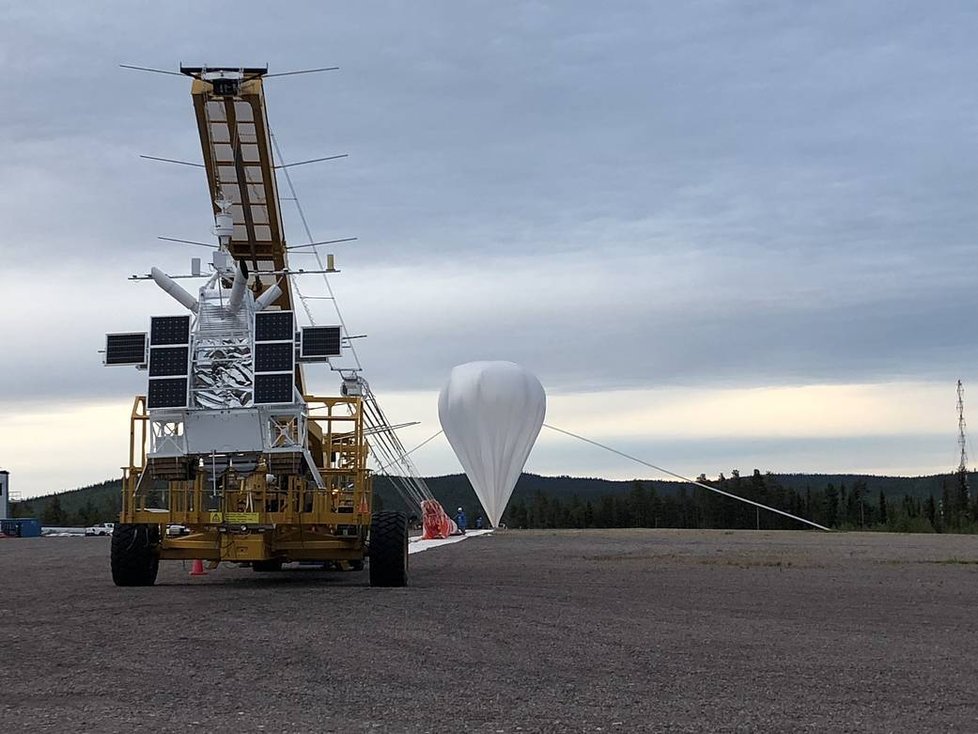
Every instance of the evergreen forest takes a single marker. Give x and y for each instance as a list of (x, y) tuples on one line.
[(940, 503)]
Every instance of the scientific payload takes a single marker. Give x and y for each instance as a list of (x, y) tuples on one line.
[(231, 458)]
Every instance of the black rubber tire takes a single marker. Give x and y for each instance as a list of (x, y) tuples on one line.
[(135, 555), (356, 565), (389, 549), (269, 566)]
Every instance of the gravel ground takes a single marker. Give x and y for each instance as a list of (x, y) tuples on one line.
[(533, 631)]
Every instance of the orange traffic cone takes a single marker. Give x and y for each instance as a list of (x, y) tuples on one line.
[(197, 568)]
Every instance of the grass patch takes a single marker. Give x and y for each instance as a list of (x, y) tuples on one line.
[(938, 562), (732, 561), (955, 562)]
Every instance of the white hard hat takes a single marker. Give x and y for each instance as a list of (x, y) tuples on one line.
[(459, 509)]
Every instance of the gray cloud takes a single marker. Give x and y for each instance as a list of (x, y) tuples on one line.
[(555, 455), (680, 193)]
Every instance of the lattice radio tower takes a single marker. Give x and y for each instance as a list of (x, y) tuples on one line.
[(962, 440)]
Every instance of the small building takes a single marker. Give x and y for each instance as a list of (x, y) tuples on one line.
[(21, 527), (4, 494)]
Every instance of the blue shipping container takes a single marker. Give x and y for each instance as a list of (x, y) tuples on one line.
[(21, 527)]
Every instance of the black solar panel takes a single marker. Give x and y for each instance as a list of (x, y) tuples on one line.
[(274, 357), (320, 342), (125, 348), (273, 388), (167, 392), (169, 330), (166, 361), (274, 326)]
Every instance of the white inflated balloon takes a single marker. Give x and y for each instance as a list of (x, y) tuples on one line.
[(492, 413)]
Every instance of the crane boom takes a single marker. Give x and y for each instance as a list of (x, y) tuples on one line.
[(236, 144)]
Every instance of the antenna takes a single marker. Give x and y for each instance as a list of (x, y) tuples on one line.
[(172, 160), (962, 439), (188, 242), (302, 71), (146, 68), (311, 160)]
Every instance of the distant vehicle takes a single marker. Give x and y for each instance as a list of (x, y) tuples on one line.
[(177, 530), (103, 528)]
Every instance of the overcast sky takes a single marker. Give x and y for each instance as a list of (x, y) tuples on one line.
[(723, 234)]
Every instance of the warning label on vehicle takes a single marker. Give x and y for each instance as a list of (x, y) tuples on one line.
[(234, 518), (241, 518)]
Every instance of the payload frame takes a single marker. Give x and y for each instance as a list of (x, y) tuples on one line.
[(229, 458)]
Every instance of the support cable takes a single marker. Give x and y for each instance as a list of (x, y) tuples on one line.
[(390, 453), (393, 448), (685, 479), (386, 442), (421, 445), (311, 240)]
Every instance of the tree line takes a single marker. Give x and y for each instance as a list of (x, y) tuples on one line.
[(53, 513), (838, 506)]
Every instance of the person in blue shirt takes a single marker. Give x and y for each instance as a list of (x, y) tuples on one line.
[(478, 523), (460, 520)]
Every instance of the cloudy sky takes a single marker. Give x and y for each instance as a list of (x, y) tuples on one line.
[(723, 234)]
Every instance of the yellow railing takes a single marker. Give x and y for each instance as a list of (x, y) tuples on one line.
[(250, 499)]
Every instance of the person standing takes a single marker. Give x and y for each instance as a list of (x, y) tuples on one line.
[(460, 520)]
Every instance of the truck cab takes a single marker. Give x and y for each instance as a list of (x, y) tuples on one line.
[(103, 528)]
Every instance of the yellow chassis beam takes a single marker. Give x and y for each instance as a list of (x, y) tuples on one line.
[(212, 544)]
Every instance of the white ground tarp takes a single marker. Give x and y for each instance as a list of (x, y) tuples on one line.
[(417, 545)]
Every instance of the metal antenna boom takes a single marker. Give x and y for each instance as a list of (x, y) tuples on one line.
[(188, 242), (146, 68), (324, 242), (172, 160), (311, 160), (302, 71)]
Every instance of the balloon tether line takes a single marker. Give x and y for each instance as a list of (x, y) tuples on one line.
[(686, 479)]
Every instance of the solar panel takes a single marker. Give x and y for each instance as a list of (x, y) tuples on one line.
[(167, 361), (167, 392), (125, 348), (274, 357), (274, 326), (169, 330), (320, 343), (277, 388)]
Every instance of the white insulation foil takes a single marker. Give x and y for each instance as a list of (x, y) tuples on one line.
[(223, 373)]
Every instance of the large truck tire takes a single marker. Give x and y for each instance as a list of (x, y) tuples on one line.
[(135, 555), (389, 549)]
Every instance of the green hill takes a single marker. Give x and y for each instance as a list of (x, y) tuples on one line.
[(75, 507), (454, 490)]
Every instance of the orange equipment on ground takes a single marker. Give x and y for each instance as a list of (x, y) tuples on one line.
[(436, 522)]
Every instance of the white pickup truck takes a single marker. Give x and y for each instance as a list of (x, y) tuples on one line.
[(103, 528)]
